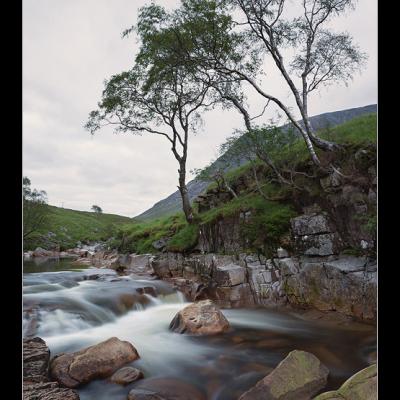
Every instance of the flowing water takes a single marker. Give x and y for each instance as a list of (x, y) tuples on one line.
[(75, 308)]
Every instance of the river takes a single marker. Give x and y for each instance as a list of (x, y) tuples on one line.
[(73, 308)]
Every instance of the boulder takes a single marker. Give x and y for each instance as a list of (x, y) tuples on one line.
[(298, 377), (310, 225), (361, 386), (201, 318), (39, 252), (98, 361), (126, 375), (229, 275), (165, 389)]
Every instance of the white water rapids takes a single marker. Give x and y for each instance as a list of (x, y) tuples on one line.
[(73, 309)]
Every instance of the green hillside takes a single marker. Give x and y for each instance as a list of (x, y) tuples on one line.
[(270, 219), (66, 227)]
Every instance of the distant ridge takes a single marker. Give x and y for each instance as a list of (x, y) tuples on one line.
[(172, 203)]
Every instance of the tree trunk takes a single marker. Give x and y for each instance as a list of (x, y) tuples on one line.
[(187, 208)]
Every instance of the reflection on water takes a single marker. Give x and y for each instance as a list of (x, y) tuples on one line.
[(75, 309)]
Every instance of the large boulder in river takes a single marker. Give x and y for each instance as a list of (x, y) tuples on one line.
[(165, 389), (298, 377), (201, 318), (98, 361), (361, 386)]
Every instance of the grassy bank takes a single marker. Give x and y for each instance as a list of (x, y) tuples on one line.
[(66, 227)]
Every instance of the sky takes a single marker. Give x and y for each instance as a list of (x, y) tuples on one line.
[(71, 46)]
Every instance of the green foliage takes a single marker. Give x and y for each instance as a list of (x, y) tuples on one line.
[(35, 209), (96, 209), (185, 239), (139, 237)]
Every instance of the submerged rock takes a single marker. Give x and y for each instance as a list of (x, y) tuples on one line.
[(201, 318), (361, 386), (165, 389), (98, 361), (298, 377), (126, 375)]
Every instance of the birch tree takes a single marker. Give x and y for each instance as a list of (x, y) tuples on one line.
[(156, 96), (232, 38)]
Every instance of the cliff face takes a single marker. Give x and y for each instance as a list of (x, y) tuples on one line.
[(325, 260), (345, 203)]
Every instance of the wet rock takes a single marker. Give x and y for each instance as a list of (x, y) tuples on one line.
[(36, 385), (328, 288), (165, 389), (147, 290), (233, 296), (36, 357), (98, 361), (201, 318), (310, 225), (126, 375), (143, 394), (298, 377), (229, 275), (48, 391), (361, 386)]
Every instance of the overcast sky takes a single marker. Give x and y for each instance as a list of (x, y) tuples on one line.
[(69, 48)]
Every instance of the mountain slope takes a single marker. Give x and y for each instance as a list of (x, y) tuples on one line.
[(172, 203)]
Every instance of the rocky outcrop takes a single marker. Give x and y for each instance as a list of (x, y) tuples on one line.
[(165, 389), (98, 361), (36, 385), (298, 377), (361, 386), (314, 236), (126, 375), (335, 282), (48, 391), (347, 284), (201, 318), (36, 356)]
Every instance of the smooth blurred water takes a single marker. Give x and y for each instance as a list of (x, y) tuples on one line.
[(72, 309)]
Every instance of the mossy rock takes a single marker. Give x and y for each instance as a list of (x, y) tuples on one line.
[(361, 386)]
